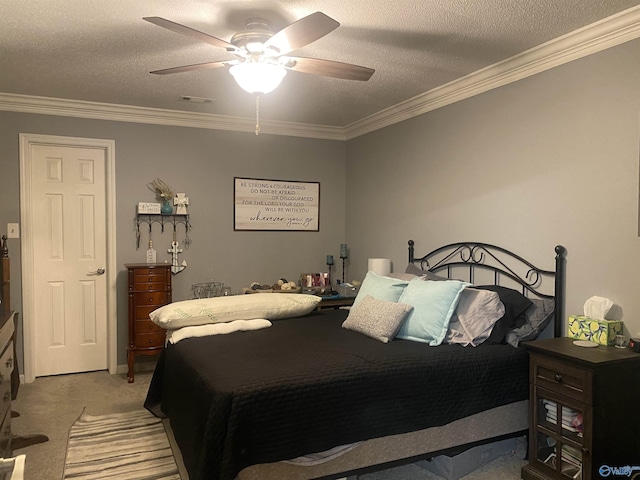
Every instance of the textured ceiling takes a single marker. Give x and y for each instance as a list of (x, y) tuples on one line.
[(102, 50)]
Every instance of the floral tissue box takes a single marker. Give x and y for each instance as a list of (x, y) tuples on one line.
[(602, 332)]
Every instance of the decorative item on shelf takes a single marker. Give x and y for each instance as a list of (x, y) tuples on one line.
[(151, 253), (174, 251), (381, 266), (344, 254), (166, 208), (181, 201), (149, 207), (164, 194)]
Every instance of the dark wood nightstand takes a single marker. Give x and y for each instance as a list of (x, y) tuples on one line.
[(333, 302), (583, 409)]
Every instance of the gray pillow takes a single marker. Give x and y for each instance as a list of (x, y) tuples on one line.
[(404, 276), (537, 317), (377, 319), (474, 318), (413, 269)]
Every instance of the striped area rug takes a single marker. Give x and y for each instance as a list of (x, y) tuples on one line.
[(123, 446)]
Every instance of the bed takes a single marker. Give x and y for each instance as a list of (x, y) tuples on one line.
[(242, 405)]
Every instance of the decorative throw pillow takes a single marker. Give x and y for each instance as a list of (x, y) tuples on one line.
[(515, 303), (236, 307), (415, 270), (537, 317), (377, 319), (380, 287), (433, 305), (475, 315)]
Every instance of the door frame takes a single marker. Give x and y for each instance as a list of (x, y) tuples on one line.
[(28, 140)]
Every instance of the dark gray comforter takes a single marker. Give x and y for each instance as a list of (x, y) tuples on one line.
[(305, 385)]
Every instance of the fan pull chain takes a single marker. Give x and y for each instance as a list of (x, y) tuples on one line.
[(257, 114)]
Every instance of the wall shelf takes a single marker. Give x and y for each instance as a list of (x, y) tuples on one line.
[(173, 219)]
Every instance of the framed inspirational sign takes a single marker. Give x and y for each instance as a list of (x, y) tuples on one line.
[(276, 205)]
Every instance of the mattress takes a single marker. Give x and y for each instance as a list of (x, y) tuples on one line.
[(306, 385)]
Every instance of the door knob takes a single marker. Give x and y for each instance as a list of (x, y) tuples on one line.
[(98, 271)]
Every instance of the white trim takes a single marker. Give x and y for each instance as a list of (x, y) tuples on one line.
[(607, 33), (26, 243), (12, 102)]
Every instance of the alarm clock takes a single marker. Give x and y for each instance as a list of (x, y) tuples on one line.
[(634, 345)]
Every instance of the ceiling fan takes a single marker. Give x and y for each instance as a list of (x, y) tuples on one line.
[(262, 58)]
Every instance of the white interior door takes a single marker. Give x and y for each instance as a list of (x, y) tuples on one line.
[(67, 306)]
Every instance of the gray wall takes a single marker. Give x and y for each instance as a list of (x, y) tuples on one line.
[(201, 163), (552, 159)]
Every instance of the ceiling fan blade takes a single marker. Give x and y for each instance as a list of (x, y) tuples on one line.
[(192, 68), (329, 68), (190, 32), (302, 32)]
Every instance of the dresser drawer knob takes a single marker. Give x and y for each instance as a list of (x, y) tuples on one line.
[(558, 378), (151, 299), (585, 450)]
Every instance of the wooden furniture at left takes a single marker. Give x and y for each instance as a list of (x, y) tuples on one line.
[(6, 368), (149, 288), (9, 375), (335, 303)]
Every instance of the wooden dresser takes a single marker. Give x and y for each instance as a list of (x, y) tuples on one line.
[(6, 370), (583, 410), (149, 288)]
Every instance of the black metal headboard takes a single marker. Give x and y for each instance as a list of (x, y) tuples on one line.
[(473, 256)]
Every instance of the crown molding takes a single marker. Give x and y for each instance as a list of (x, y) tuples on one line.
[(607, 33), (156, 116)]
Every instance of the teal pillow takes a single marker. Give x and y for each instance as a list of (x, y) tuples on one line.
[(380, 287), (434, 302)]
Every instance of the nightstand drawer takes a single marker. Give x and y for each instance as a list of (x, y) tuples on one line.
[(151, 298), (142, 311), (150, 287), (144, 340), (141, 278), (562, 378), (147, 326)]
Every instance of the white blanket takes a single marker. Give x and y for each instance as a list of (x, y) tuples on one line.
[(174, 336)]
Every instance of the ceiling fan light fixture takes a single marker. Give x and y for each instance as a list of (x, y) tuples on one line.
[(258, 77)]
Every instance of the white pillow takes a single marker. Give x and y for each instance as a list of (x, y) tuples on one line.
[(236, 307)]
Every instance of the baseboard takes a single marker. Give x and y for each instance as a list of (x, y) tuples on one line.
[(122, 369)]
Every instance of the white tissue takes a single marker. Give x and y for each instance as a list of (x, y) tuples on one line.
[(597, 307)]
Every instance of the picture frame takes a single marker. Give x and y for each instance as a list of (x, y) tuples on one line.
[(276, 205)]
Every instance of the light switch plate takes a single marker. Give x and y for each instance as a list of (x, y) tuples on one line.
[(13, 230)]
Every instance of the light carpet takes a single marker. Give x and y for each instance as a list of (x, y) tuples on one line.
[(123, 446)]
